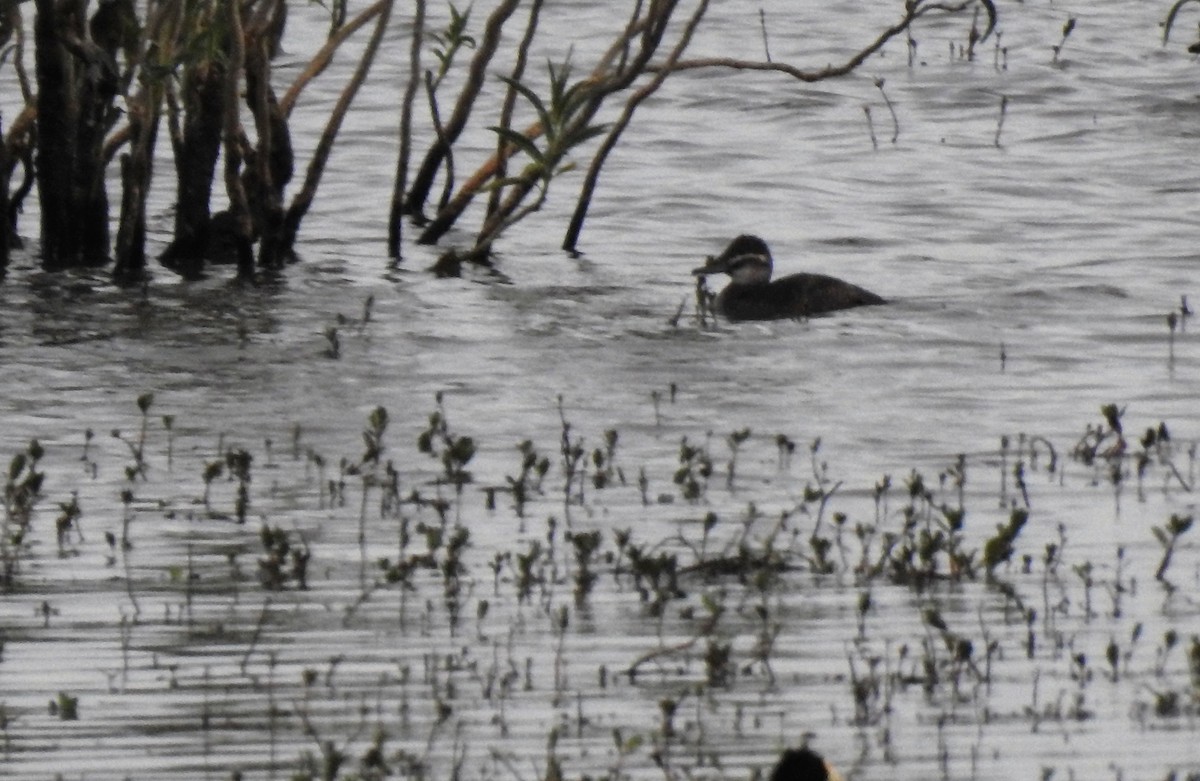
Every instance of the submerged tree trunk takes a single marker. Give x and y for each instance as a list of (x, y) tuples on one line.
[(196, 155), (271, 166), (5, 225), (145, 110), (396, 215), (136, 168), (76, 84), (239, 209), (131, 231), (56, 140)]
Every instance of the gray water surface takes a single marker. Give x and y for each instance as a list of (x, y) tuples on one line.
[(1063, 247)]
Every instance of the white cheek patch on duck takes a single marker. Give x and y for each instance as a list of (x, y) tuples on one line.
[(749, 269)]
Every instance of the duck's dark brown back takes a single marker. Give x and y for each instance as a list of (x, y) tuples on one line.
[(796, 295)]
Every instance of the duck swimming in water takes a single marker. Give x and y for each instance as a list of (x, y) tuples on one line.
[(803, 764), (751, 295)]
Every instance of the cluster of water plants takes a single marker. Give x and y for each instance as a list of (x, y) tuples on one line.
[(434, 607)]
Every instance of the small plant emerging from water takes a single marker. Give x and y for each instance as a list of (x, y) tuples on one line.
[(1068, 28), (999, 548), (237, 463), (695, 468), (137, 447), (22, 492), (452, 450), (605, 470), (585, 545), (1168, 537), (283, 561), (529, 478), (67, 521), (65, 707), (715, 599)]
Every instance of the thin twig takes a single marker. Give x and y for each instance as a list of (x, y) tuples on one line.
[(1000, 121), (762, 21), (614, 134), (914, 12)]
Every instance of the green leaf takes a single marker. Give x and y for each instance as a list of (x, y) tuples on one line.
[(538, 106), (579, 94), (520, 141), (558, 85), (591, 131), (510, 181), (15, 466)]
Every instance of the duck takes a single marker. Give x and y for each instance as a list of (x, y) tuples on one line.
[(752, 295), (803, 764)]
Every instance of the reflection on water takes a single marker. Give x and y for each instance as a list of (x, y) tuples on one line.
[(1030, 281)]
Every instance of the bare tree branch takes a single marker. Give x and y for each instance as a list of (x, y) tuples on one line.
[(913, 12)]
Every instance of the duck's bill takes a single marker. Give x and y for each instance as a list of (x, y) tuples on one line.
[(711, 266)]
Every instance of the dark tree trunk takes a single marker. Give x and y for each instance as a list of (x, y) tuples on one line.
[(195, 166), (56, 140), (76, 84), (5, 225), (273, 164), (136, 168), (396, 215)]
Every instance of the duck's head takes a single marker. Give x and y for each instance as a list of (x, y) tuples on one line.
[(746, 260), (803, 764)]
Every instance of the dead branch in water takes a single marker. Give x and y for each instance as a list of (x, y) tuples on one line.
[(913, 12)]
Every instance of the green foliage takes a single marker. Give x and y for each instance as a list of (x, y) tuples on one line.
[(283, 561), (377, 423), (1168, 536), (563, 123), (65, 707), (529, 478), (586, 544), (695, 468), (22, 492), (452, 450), (450, 40), (999, 548)]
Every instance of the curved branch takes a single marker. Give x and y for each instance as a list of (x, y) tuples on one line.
[(1171, 19), (316, 166), (610, 141), (913, 11), (20, 130), (320, 61)]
